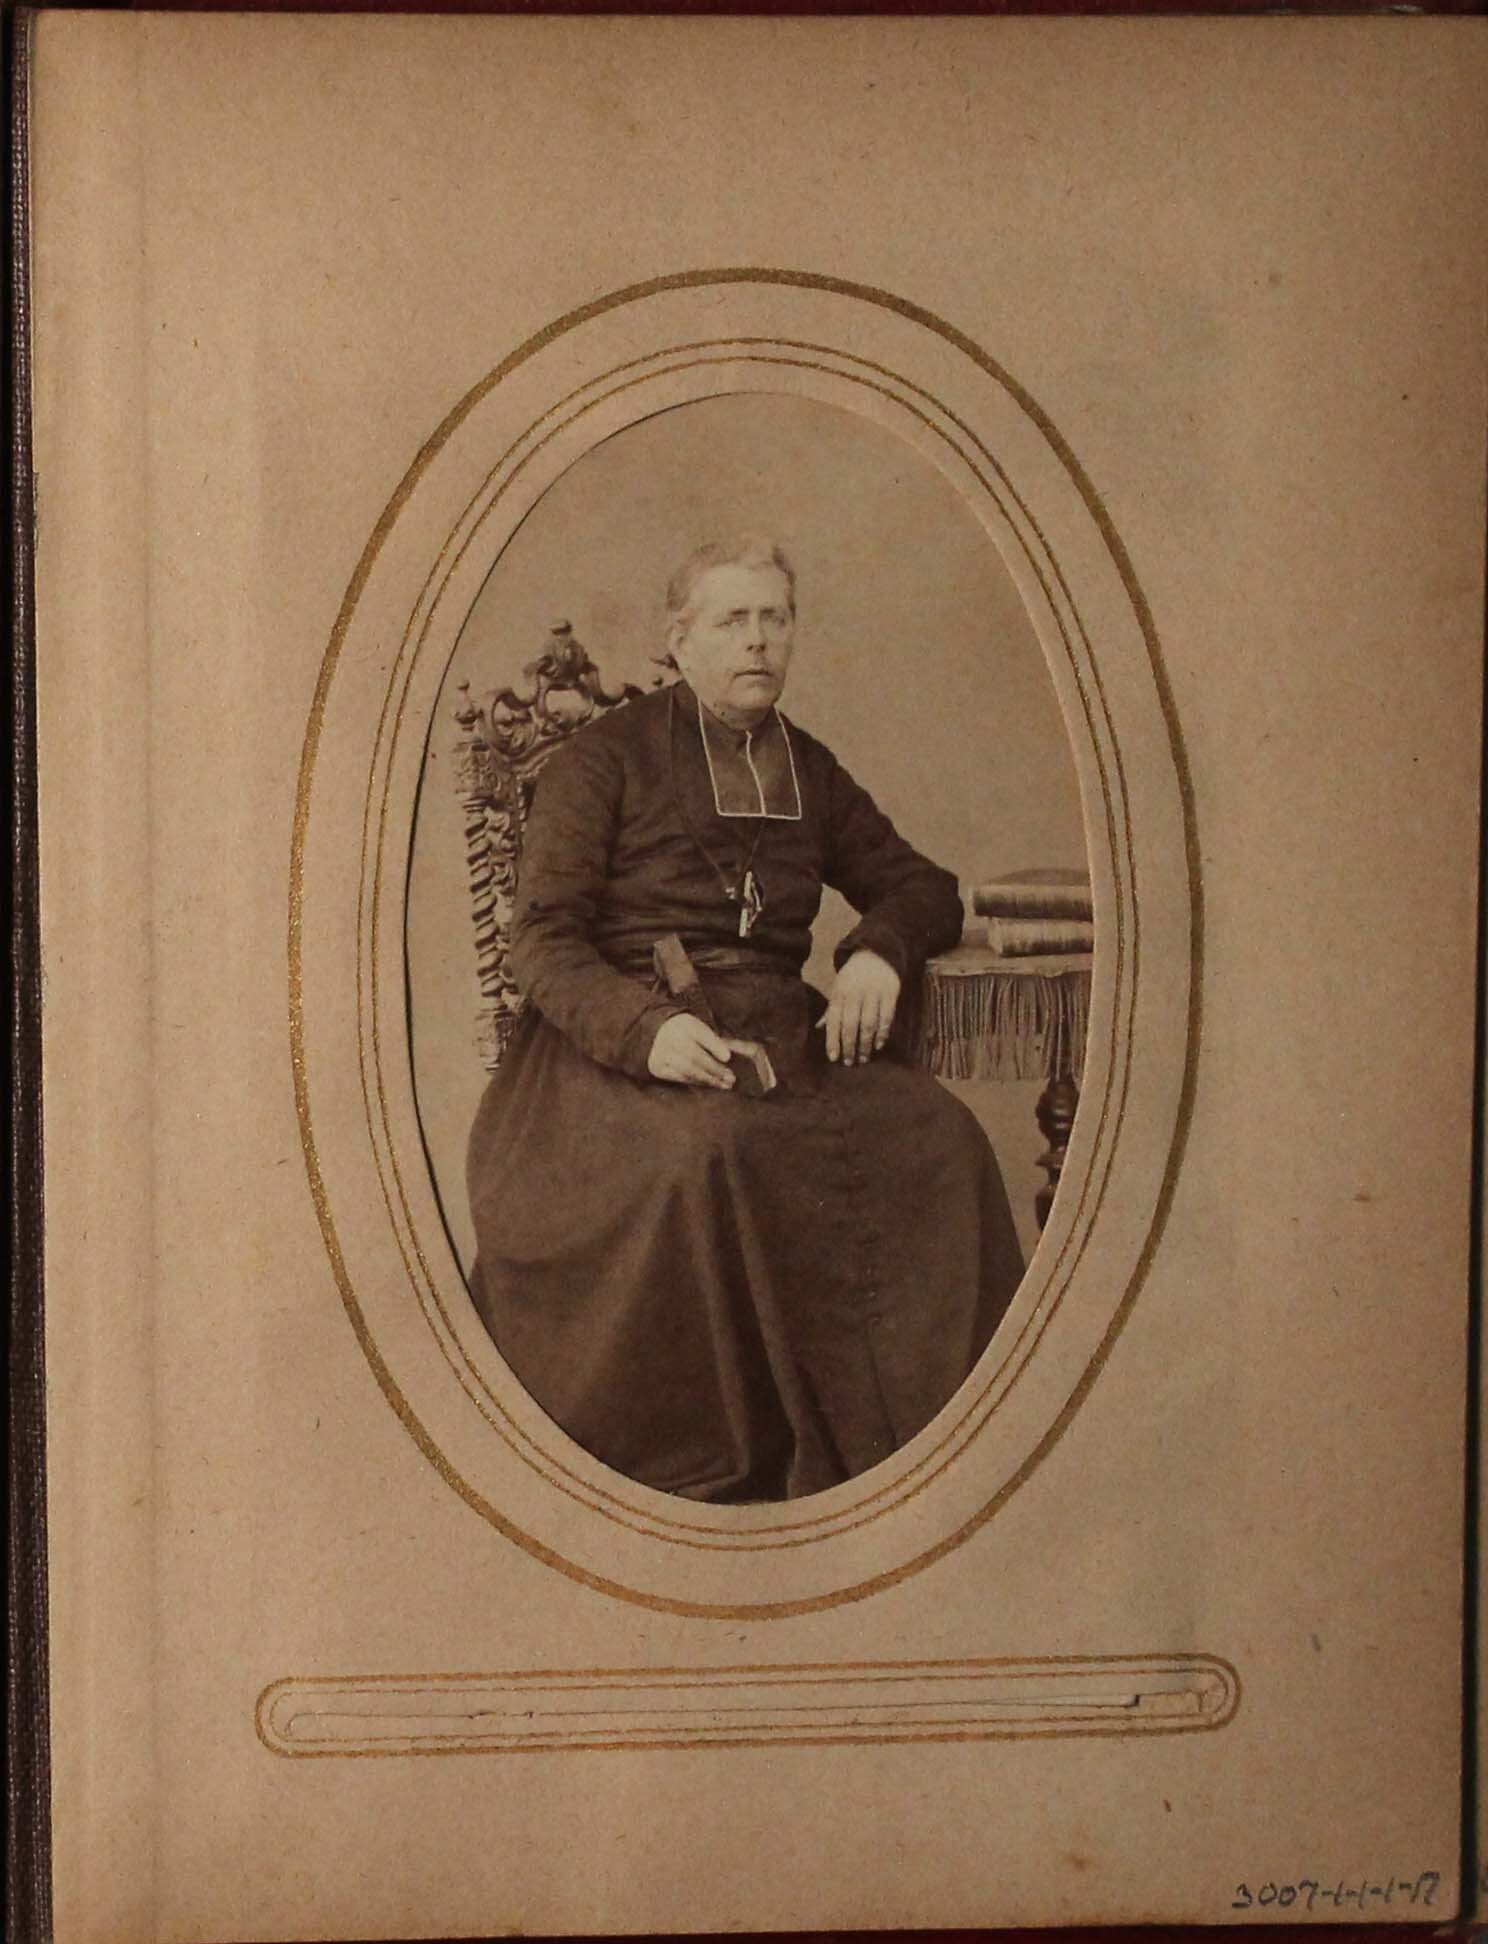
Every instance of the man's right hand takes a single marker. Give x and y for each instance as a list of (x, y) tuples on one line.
[(690, 1054)]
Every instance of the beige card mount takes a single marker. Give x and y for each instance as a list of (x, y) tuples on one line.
[(1118, 387)]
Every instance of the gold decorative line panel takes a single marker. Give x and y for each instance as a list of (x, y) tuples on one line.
[(560, 1710)]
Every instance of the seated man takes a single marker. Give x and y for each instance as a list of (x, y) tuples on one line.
[(723, 1295)]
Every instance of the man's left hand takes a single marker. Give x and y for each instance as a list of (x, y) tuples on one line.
[(860, 1011)]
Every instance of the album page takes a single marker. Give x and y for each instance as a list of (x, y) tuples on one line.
[(758, 769)]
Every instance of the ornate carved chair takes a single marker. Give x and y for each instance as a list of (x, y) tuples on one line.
[(505, 739)]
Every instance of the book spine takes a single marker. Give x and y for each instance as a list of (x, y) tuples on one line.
[(1038, 937), (1032, 901), (28, 1900)]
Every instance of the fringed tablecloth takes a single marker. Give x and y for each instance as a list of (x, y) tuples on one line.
[(982, 1017)]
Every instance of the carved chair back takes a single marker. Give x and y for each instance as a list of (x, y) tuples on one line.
[(505, 739)]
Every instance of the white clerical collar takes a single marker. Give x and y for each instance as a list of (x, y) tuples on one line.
[(752, 771)]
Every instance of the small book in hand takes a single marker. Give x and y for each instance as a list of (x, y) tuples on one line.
[(754, 1076)]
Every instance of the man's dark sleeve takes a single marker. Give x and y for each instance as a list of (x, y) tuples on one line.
[(910, 908), (565, 861)]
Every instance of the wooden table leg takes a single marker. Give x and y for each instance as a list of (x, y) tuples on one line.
[(1056, 1116)]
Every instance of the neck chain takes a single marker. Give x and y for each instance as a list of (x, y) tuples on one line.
[(744, 889)]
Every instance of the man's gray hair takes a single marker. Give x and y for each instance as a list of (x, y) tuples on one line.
[(749, 551)]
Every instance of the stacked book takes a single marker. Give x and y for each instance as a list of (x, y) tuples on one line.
[(1037, 914), (1013, 1002)]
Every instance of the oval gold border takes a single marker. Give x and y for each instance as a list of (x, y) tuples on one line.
[(1092, 501), (737, 1536)]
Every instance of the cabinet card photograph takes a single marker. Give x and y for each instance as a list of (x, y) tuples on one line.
[(749, 940)]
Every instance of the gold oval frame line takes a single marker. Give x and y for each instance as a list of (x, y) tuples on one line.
[(734, 1536), (731, 1534), (1119, 558)]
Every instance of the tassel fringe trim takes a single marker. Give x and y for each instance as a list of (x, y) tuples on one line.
[(989, 1026)]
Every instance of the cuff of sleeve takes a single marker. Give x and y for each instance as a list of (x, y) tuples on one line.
[(874, 936), (640, 1037)]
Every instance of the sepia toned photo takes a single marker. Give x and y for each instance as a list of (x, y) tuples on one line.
[(750, 937), (757, 809)]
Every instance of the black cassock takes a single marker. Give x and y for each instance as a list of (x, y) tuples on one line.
[(724, 1297)]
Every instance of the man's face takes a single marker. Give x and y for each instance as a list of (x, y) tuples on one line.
[(737, 646)]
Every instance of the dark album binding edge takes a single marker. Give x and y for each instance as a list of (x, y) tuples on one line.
[(28, 1890), (1474, 1894)]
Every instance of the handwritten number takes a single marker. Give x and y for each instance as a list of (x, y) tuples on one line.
[(1422, 1889)]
